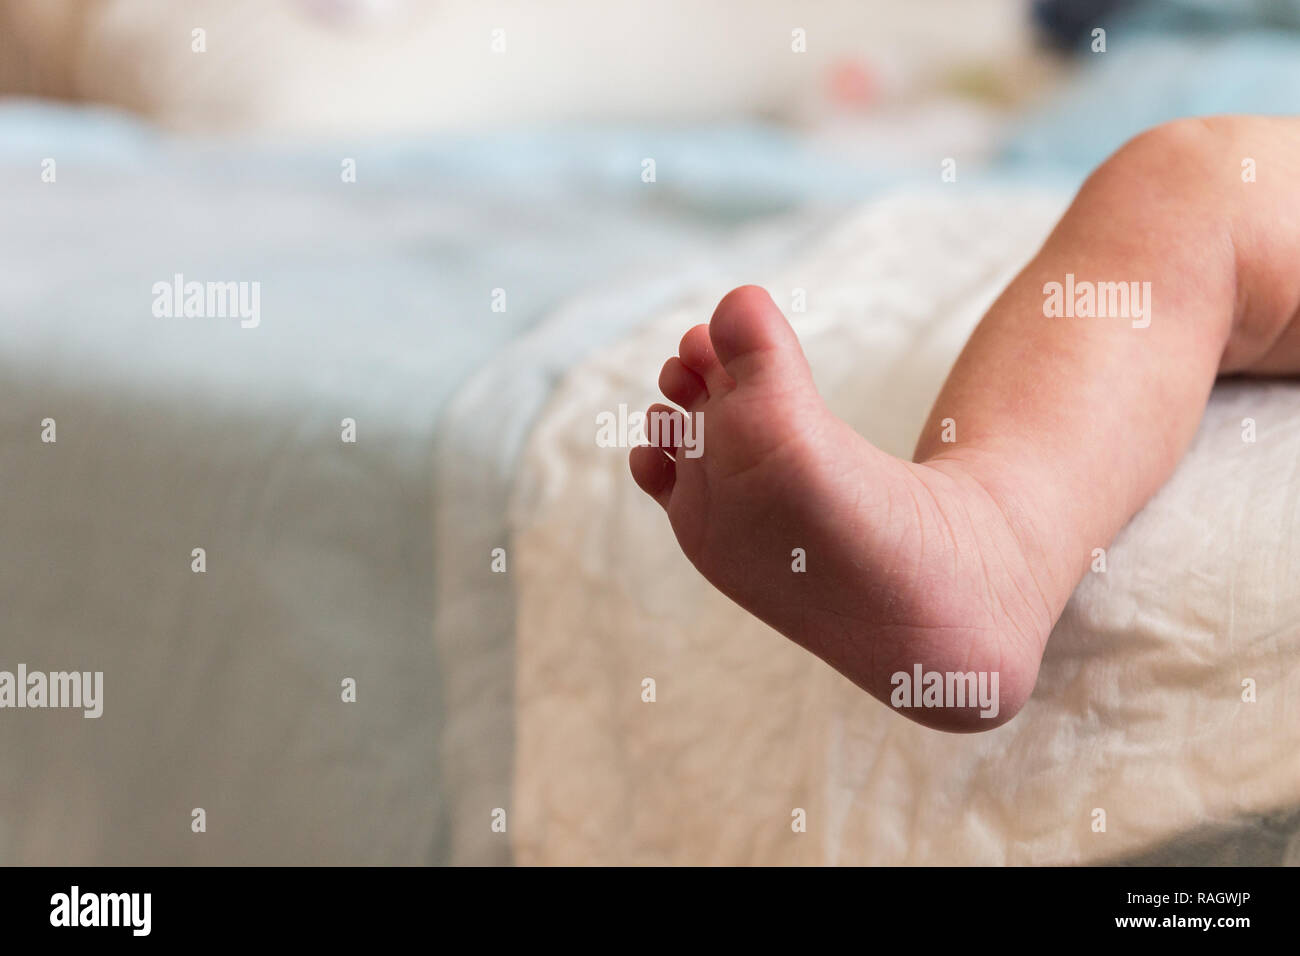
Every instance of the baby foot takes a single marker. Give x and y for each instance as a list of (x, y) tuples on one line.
[(890, 571)]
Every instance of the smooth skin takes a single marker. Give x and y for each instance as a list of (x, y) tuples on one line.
[(963, 559)]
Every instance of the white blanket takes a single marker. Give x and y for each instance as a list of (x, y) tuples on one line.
[(1138, 737)]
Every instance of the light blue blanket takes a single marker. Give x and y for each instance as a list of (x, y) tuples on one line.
[(226, 432)]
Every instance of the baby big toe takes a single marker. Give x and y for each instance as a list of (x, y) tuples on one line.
[(753, 341)]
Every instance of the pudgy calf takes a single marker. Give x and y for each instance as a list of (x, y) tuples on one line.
[(934, 583)]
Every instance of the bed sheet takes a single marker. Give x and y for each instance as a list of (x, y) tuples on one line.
[(1165, 725)]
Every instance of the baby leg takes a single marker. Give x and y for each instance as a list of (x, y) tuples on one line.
[(1069, 407), (1076, 419)]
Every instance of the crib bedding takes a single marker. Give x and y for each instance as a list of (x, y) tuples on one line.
[(1166, 720)]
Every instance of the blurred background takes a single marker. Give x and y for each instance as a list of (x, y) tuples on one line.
[(363, 66), (445, 204)]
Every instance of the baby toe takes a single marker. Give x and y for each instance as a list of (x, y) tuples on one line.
[(682, 385), (665, 428), (654, 472), (752, 340), (696, 351)]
